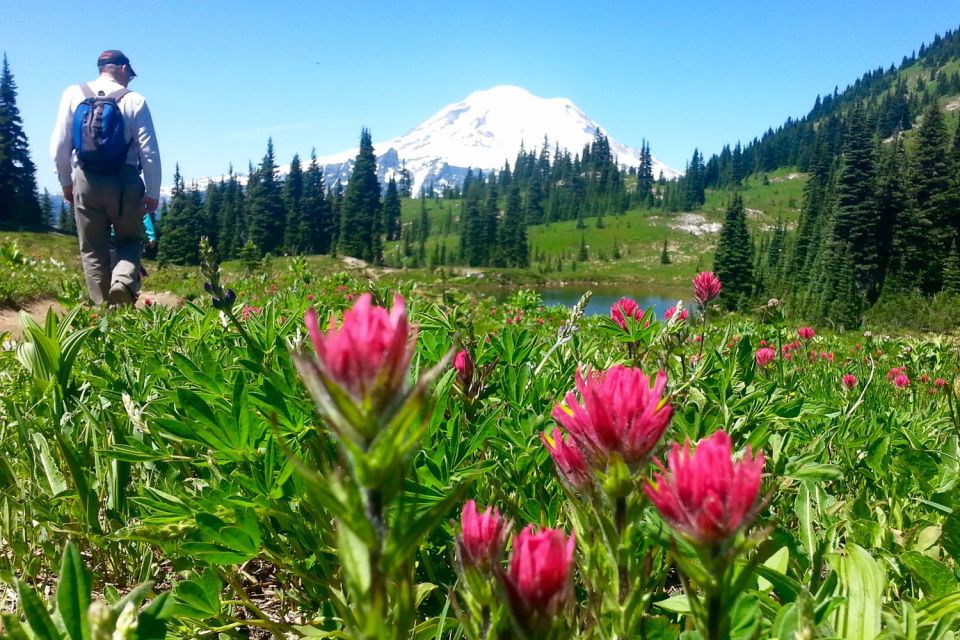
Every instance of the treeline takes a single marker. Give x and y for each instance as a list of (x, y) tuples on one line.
[(880, 218), (300, 215)]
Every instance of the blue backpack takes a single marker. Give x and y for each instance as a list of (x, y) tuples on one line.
[(98, 132)]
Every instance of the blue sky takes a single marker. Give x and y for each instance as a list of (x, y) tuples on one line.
[(220, 77)]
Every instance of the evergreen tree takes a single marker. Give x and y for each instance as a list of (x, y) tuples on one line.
[(68, 222), (405, 188), (315, 221), (18, 175), (211, 212), (664, 254), (391, 211), (892, 202), (265, 211), (856, 223), (294, 240), (733, 262), (423, 232), (951, 270), (931, 182), (231, 228), (582, 255), (181, 225), (46, 210), (360, 211)]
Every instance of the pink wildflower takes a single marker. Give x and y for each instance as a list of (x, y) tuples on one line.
[(463, 364), (539, 579), (765, 356), (669, 313), (706, 287), (849, 381), (939, 383), (309, 297), (705, 495), (248, 311), (806, 333), (901, 381), (894, 372), (571, 465), (482, 536), (371, 349), (620, 414), (625, 308)]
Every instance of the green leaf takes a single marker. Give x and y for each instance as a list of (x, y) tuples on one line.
[(355, 559), (73, 594), (934, 577), (38, 619), (862, 581), (777, 562), (152, 621), (675, 604), (15, 630), (950, 538), (196, 599)]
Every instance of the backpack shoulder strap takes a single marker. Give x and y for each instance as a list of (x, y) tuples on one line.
[(118, 94), (87, 91)]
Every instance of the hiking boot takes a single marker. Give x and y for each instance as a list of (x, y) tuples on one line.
[(120, 294)]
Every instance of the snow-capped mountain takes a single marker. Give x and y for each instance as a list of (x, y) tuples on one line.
[(482, 132)]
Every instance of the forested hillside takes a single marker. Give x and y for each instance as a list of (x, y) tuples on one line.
[(881, 210)]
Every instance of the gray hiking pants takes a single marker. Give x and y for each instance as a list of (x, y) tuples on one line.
[(105, 203)]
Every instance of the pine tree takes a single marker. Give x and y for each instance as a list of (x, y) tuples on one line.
[(265, 211), (423, 232), (931, 194), (315, 227), (46, 210), (391, 211), (733, 262), (181, 225), (68, 222), (405, 187), (856, 223), (360, 210), (891, 202), (231, 229), (664, 255), (18, 175), (211, 213), (294, 240)]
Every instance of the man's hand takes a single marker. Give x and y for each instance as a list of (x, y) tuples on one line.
[(68, 194), (149, 205)]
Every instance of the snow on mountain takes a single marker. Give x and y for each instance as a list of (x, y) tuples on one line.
[(482, 132)]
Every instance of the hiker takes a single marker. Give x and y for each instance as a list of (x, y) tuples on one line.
[(102, 140)]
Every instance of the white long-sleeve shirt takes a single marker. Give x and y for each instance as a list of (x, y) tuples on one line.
[(138, 125)]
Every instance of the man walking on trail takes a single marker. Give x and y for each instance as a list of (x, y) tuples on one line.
[(102, 140)]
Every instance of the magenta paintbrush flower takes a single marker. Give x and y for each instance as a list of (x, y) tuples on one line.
[(706, 287), (806, 333), (764, 356), (672, 311), (571, 465), (625, 308), (619, 412), (705, 495), (539, 579), (370, 350), (464, 366), (849, 381), (482, 536)]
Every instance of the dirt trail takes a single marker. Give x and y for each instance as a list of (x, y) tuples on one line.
[(10, 318)]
